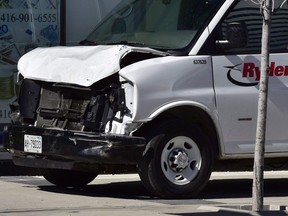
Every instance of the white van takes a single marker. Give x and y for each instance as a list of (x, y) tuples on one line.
[(168, 88)]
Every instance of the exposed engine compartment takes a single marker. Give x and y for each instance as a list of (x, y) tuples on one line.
[(71, 107)]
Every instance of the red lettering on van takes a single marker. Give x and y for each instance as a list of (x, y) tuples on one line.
[(250, 70)]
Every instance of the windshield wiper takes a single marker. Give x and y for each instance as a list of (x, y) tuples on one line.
[(131, 43), (87, 42)]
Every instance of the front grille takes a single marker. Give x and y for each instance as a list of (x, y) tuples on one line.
[(71, 107)]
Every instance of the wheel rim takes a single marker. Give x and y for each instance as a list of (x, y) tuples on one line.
[(181, 160)]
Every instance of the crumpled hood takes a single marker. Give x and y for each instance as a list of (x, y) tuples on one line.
[(81, 65)]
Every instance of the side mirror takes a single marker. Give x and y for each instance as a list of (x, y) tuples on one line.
[(236, 35)]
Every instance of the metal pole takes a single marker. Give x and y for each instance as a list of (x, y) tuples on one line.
[(62, 22)]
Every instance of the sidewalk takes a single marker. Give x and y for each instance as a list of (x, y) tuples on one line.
[(275, 194)]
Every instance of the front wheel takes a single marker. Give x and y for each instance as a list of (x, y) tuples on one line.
[(177, 162), (68, 178)]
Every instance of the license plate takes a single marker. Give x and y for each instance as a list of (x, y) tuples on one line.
[(32, 143)]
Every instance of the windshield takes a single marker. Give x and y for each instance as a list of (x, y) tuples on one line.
[(162, 24)]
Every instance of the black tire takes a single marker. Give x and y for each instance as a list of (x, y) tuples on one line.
[(177, 162), (68, 178)]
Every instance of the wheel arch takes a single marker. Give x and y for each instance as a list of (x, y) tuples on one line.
[(191, 115)]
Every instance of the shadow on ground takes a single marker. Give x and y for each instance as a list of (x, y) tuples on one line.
[(7, 168), (211, 196), (216, 189)]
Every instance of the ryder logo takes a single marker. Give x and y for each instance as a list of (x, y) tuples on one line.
[(252, 72)]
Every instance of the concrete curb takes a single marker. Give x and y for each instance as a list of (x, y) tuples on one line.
[(246, 210)]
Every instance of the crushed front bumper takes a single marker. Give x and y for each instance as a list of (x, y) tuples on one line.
[(62, 149)]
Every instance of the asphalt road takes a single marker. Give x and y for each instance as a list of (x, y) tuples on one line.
[(226, 194)]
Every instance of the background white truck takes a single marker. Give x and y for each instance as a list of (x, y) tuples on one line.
[(165, 87)]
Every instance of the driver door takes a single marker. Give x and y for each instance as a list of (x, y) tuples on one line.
[(236, 80)]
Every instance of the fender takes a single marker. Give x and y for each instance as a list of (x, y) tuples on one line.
[(181, 103), (211, 113)]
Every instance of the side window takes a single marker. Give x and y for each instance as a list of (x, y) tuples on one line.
[(248, 12), (279, 29)]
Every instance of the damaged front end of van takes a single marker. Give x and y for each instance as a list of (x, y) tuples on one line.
[(74, 109)]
